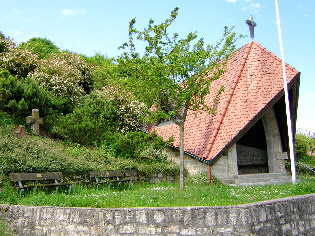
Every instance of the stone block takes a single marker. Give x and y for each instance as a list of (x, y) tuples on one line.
[(210, 219), (141, 216), (149, 230), (158, 217), (172, 229), (190, 231), (127, 229)]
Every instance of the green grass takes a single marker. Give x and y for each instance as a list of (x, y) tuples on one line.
[(307, 160), (158, 195)]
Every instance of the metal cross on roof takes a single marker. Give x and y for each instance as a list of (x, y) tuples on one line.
[(251, 23)]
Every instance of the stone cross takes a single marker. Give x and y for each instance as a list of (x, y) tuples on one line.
[(21, 132), (35, 121)]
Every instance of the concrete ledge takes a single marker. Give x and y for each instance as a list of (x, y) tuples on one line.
[(287, 216)]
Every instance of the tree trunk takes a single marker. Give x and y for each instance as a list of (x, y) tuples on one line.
[(181, 156)]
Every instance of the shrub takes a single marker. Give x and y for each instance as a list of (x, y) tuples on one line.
[(18, 62), (89, 122), (301, 146), (43, 47), (137, 145), (65, 75), (18, 96), (41, 154), (37, 154), (100, 115), (104, 70)]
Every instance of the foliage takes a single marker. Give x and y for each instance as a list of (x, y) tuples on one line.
[(302, 145), (173, 73), (18, 62), (101, 114), (65, 75), (136, 145), (5, 120), (130, 111), (18, 96), (104, 70), (43, 47), (41, 154)]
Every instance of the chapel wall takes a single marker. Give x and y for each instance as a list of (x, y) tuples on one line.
[(192, 165)]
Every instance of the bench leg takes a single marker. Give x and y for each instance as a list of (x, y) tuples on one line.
[(109, 185)]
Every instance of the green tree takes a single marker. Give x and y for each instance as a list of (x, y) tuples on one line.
[(43, 47), (173, 75)]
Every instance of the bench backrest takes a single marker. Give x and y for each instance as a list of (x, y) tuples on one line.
[(35, 176), (104, 174)]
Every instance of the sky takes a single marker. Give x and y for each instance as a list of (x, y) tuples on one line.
[(101, 26)]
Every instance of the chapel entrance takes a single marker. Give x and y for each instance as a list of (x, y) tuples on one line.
[(252, 157)]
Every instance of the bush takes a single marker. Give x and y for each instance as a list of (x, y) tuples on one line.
[(18, 62), (43, 47), (90, 122), (65, 75), (104, 70), (100, 116), (41, 154), (301, 145), (18, 96), (136, 145), (37, 154)]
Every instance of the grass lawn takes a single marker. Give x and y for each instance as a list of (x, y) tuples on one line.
[(196, 193)]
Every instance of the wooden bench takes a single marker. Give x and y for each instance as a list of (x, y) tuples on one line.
[(34, 180), (108, 177)]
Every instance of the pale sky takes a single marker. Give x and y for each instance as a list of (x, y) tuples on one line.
[(101, 26)]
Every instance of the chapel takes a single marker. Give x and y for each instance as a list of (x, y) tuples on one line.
[(245, 142)]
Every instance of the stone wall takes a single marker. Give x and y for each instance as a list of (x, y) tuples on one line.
[(192, 165), (157, 177), (225, 169), (287, 216), (251, 160), (251, 156)]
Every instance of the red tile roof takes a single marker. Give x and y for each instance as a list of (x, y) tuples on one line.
[(253, 78)]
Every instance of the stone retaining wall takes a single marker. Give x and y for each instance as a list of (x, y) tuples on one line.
[(287, 216)]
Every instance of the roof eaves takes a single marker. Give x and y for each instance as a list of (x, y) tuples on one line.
[(207, 162)]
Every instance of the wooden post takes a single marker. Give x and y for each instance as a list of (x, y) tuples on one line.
[(209, 174)]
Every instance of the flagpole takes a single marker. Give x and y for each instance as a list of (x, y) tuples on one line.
[(286, 95)]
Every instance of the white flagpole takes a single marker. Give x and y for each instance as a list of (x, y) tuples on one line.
[(286, 95)]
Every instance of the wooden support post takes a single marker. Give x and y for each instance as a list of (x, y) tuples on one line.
[(209, 174)]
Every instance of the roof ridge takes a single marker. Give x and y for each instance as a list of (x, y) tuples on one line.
[(227, 103)]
